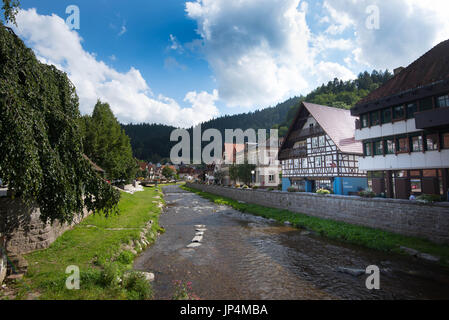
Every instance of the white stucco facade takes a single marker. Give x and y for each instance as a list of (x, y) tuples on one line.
[(414, 160), (385, 130)]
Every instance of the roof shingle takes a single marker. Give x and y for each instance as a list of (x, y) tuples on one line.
[(339, 126), (432, 67)]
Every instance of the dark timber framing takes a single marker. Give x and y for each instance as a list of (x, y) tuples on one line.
[(308, 152)]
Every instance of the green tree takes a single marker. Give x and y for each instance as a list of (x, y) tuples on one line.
[(107, 144), (233, 172), (41, 151), (10, 9), (244, 172), (168, 172)]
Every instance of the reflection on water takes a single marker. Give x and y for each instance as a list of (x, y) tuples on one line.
[(247, 257)]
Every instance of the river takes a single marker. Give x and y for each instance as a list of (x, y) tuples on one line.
[(247, 257)]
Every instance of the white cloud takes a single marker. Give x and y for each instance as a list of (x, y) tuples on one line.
[(175, 45), (201, 104), (260, 50), (171, 63), (341, 20), (408, 28), (122, 30), (128, 93), (327, 71)]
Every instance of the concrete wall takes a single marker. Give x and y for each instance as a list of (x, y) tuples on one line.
[(398, 216)]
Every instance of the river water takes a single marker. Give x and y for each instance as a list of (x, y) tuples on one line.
[(246, 257)]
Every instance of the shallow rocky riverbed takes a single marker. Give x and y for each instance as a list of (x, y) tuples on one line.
[(241, 256)]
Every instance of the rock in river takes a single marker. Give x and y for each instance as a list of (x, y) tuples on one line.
[(351, 271)]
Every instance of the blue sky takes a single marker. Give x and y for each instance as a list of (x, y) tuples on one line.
[(183, 62)]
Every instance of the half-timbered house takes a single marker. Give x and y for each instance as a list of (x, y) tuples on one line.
[(320, 151)]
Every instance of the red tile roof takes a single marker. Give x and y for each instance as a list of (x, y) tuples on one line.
[(430, 68)]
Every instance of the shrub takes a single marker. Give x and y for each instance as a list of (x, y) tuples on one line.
[(292, 189), (125, 257), (270, 189), (429, 198), (183, 291), (323, 191), (367, 194), (237, 185), (137, 287), (110, 275), (245, 187), (255, 187)]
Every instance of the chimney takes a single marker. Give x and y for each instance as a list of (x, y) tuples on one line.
[(398, 70)]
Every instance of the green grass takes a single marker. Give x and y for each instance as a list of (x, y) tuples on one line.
[(96, 250), (353, 234)]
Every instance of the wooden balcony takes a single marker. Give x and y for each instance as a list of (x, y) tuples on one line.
[(432, 118), (293, 153), (305, 133)]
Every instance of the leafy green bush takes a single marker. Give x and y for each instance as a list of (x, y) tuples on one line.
[(367, 194), (429, 198), (255, 187), (323, 191), (183, 291), (110, 275), (125, 257), (137, 287), (270, 189)]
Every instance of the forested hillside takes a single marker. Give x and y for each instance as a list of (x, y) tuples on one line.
[(151, 142)]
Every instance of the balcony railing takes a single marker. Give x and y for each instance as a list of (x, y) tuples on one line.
[(293, 153), (307, 132)]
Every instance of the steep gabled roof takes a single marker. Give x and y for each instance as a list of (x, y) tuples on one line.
[(432, 67), (338, 124)]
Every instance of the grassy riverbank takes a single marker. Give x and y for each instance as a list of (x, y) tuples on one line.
[(364, 236), (101, 248)]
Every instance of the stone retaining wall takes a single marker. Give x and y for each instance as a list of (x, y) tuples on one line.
[(24, 232), (429, 221)]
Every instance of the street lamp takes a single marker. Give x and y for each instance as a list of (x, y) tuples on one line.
[(252, 176)]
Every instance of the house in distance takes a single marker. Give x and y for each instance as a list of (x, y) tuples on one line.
[(320, 151), (404, 127)]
